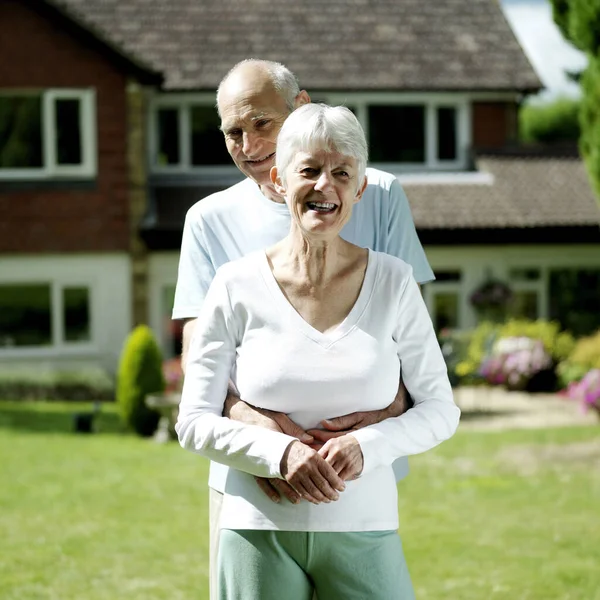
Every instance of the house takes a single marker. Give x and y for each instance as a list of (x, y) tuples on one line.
[(108, 134)]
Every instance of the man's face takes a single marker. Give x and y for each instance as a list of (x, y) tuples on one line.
[(252, 113)]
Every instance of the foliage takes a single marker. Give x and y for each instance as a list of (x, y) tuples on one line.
[(515, 362), (586, 391), (140, 374), (556, 344), (557, 121), (579, 21), (44, 384), (480, 345), (584, 357)]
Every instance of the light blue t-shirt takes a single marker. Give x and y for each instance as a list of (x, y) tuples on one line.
[(239, 220)]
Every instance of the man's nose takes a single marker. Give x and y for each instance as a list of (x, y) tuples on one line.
[(249, 144)]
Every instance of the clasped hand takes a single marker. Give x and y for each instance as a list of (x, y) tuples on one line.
[(318, 475)]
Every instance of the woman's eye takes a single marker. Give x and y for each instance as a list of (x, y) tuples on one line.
[(262, 123), (343, 173), (234, 133)]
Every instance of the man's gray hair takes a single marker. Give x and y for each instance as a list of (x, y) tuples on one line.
[(315, 127), (284, 81)]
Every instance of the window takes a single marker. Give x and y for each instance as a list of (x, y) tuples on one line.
[(443, 297), (47, 134), (575, 299), (187, 136), (397, 134), (43, 315), (404, 131)]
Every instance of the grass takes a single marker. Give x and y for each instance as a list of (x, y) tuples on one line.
[(501, 516)]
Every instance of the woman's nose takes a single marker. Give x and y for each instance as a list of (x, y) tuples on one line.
[(323, 182)]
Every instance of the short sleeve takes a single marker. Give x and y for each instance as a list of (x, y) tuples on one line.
[(196, 270), (403, 241)]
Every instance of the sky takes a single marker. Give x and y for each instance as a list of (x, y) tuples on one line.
[(543, 43)]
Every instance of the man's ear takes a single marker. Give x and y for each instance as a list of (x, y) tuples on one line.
[(361, 191), (301, 98), (276, 181)]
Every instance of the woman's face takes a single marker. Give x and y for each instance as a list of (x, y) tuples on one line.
[(320, 190)]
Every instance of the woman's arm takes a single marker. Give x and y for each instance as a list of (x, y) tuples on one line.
[(434, 416), (200, 426)]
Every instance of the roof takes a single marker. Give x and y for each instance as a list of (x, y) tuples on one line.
[(523, 191), (433, 45), (85, 28)]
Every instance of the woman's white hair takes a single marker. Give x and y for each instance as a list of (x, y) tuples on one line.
[(283, 80), (315, 127)]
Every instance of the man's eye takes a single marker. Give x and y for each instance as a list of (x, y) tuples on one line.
[(262, 123), (309, 171), (343, 173), (234, 133)]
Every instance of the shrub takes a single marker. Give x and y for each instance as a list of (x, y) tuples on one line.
[(586, 391), (516, 362), (140, 373), (584, 357), (84, 384), (555, 343)]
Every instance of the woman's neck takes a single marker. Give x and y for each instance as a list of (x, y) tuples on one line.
[(314, 260)]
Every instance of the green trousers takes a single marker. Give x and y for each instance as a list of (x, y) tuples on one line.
[(289, 565)]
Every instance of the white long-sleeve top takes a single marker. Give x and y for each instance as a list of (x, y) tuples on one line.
[(249, 331)]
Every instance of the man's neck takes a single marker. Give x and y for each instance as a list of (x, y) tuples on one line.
[(269, 192)]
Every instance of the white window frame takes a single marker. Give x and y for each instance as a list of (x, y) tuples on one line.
[(359, 101), (58, 342), (87, 124), (183, 103)]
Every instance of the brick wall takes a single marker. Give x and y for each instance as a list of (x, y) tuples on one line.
[(494, 124), (39, 53)]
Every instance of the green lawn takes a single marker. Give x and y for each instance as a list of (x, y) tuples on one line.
[(506, 516)]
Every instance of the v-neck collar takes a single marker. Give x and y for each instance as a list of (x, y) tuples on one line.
[(346, 326)]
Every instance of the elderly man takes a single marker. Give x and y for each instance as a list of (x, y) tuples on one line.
[(253, 101)]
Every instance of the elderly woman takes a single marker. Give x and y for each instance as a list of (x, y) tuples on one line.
[(315, 327)]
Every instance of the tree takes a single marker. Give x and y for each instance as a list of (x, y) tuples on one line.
[(579, 21), (556, 121)]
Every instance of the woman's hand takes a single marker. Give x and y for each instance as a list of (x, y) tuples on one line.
[(344, 455), (310, 474)]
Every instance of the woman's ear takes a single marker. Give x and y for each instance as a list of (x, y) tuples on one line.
[(276, 181), (361, 190)]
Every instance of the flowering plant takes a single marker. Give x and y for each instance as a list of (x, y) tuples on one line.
[(514, 361), (173, 374), (586, 391)]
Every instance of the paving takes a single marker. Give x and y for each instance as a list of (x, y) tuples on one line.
[(486, 408)]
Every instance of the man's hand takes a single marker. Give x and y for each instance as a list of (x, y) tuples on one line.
[(235, 408), (335, 428)]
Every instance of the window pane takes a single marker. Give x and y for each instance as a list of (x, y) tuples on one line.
[(446, 133), (397, 134), (168, 136), (445, 310), (76, 317), (20, 132), (447, 276), (25, 315), (208, 144), (525, 305), (575, 299), (68, 132)]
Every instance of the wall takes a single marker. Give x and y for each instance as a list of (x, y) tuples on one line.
[(64, 216)]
